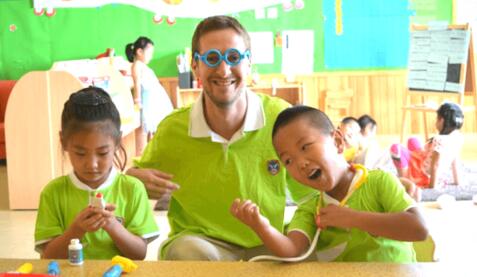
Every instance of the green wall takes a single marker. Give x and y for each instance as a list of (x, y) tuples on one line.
[(38, 41), (431, 10)]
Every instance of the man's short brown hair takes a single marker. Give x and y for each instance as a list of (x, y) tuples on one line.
[(215, 23)]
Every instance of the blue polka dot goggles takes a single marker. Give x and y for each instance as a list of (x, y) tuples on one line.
[(231, 56)]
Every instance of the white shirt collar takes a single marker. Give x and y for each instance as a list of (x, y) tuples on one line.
[(254, 119), (82, 186)]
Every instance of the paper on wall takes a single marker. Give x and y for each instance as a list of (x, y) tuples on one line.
[(262, 47)]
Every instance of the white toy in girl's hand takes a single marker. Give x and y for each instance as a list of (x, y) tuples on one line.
[(98, 201)]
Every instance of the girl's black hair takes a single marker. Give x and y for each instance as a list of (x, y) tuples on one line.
[(366, 120), (140, 43), (453, 117), (317, 118), (93, 105)]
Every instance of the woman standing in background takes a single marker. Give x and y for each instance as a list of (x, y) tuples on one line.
[(149, 96)]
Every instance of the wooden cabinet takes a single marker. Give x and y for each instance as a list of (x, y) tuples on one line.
[(290, 92), (32, 125)]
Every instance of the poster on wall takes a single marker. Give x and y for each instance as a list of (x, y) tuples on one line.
[(366, 34), (262, 47), (297, 52), (169, 8)]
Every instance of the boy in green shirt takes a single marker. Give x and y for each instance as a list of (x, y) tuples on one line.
[(363, 216)]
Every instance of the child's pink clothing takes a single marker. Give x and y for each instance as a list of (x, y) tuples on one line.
[(418, 160), (402, 155), (412, 158)]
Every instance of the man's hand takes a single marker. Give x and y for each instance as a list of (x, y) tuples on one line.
[(157, 183)]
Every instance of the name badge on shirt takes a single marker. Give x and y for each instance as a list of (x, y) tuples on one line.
[(273, 166)]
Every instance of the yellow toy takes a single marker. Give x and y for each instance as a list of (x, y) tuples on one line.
[(126, 264), (25, 268)]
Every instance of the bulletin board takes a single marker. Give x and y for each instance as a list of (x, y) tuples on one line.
[(375, 33), (438, 58)]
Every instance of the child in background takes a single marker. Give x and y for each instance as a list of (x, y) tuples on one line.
[(427, 166), (368, 128), (369, 155), (373, 157), (90, 133), (378, 219), (351, 131), (149, 96)]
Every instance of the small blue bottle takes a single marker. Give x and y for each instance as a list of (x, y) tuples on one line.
[(53, 268)]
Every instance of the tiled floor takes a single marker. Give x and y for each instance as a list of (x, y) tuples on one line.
[(17, 228), (454, 230)]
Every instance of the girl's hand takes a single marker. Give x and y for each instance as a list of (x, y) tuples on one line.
[(108, 215), (249, 213), (88, 221), (335, 216)]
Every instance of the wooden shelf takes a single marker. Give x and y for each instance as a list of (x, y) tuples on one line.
[(290, 92)]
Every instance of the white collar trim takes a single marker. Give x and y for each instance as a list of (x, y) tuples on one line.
[(254, 119), (82, 186)]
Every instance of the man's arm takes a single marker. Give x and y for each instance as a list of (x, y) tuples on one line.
[(157, 183)]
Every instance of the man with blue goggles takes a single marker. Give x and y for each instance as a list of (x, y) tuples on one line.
[(207, 147), (213, 57)]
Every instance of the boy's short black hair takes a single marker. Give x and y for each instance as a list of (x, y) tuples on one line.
[(365, 120), (217, 23), (348, 120), (317, 118)]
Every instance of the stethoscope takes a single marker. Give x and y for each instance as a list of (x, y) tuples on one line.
[(358, 180)]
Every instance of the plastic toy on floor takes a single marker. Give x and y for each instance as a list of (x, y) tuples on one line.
[(126, 264), (120, 264), (25, 271)]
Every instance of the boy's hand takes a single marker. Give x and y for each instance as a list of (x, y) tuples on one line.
[(249, 213), (88, 221), (335, 216)]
